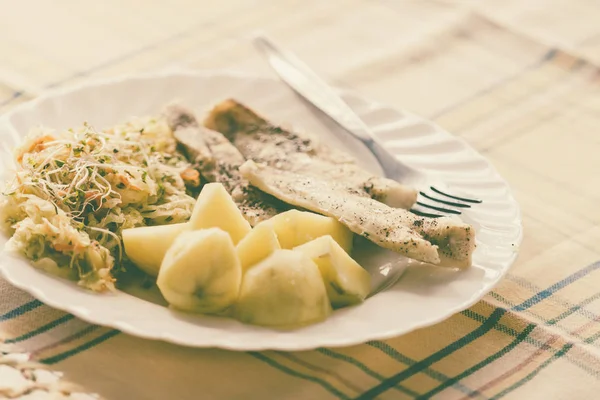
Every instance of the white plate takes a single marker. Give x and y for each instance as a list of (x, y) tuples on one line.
[(424, 296)]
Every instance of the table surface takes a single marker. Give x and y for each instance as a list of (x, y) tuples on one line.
[(518, 80)]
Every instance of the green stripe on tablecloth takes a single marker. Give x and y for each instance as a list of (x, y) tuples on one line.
[(396, 355), (428, 361), (20, 310), (520, 338), (574, 309), (593, 338), (296, 359), (484, 328), (42, 329), (530, 376), (324, 384), (79, 349), (364, 368)]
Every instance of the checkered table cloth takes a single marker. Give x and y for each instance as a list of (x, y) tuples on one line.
[(518, 80)]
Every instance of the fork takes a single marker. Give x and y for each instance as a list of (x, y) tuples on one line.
[(434, 200)]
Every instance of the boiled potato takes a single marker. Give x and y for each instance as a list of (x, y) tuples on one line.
[(257, 245), (346, 282), (284, 290), (146, 246), (215, 209), (201, 272), (295, 227)]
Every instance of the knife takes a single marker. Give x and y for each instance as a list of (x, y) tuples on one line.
[(309, 85)]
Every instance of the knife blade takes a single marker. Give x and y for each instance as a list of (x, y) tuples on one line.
[(314, 89)]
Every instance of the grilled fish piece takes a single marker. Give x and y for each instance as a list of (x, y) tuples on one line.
[(218, 160), (263, 142), (441, 241)]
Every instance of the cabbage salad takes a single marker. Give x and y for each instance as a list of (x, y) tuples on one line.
[(74, 191)]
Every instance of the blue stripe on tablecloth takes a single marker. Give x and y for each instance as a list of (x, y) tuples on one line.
[(520, 338), (533, 288), (20, 310), (435, 357), (556, 287), (574, 309), (41, 329), (571, 308), (536, 371), (582, 311), (324, 384), (484, 328)]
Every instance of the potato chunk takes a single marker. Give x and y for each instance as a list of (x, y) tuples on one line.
[(257, 245), (284, 290), (295, 227), (146, 246), (216, 209), (201, 272), (346, 282)]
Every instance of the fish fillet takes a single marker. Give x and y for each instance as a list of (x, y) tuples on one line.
[(441, 241), (263, 142), (218, 160)]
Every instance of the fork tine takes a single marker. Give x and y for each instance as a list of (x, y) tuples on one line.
[(440, 209), (474, 201), (424, 214), (448, 203)]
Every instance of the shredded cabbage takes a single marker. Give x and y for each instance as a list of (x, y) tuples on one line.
[(74, 191)]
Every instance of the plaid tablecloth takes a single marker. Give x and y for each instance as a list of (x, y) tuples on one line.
[(519, 80)]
